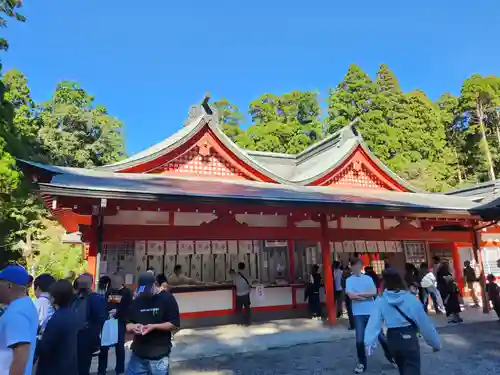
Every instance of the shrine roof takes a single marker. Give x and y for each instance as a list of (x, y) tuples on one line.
[(304, 168), (103, 184), (481, 192)]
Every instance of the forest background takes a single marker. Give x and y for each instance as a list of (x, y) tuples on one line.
[(435, 145)]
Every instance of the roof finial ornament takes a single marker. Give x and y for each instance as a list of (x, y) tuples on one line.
[(198, 110), (206, 107)]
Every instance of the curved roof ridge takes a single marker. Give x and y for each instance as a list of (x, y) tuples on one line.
[(161, 148)]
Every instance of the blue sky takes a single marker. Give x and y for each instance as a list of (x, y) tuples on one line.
[(148, 64)]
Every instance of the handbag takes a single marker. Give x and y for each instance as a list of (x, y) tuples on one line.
[(109, 334)]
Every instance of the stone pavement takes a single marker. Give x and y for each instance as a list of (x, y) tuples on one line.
[(190, 344), (470, 349)]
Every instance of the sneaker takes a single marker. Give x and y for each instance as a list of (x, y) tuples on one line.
[(359, 369)]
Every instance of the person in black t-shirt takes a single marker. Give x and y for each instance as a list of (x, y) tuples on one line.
[(151, 318), (118, 301)]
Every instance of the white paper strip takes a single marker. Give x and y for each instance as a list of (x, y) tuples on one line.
[(256, 247), (245, 247), (220, 247), (186, 247), (171, 248), (399, 246), (349, 247), (381, 247), (156, 248), (338, 247), (360, 246), (390, 246), (371, 246), (202, 247)]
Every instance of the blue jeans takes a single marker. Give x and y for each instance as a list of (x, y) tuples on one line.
[(360, 323), (140, 366)]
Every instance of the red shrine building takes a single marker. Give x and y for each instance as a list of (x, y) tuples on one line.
[(198, 200)]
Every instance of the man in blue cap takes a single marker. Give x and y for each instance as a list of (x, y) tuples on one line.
[(19, 323)]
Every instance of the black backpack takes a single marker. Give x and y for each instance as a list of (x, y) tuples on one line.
[(81, 306)]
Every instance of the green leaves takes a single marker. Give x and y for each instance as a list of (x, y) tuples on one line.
[(286, 124), (75, 132), (9, 8)]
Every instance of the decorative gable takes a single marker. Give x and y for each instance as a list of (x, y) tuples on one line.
[(356, 175), (202, 159), (359, 171), (193, 162)]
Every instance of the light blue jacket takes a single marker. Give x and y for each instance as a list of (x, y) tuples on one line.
[(384, 311)]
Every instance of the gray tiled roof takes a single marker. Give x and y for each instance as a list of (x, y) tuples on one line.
[(104, 184), (302, 169), (482, 192)]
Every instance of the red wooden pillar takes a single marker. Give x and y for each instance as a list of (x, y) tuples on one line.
[(94, 248), (92, 252), (457, 267), (327, 270), (482, 276), (291, 258)]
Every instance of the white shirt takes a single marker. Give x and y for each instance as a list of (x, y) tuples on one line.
[(428, 280), (242, 286), (44, 309)]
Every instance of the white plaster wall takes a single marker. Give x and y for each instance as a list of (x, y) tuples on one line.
[(192, 219), (307, 224), (205, 301), (255, 220), (391, 223), (359, 223), (272, 297), (333, 224), (136, 217), (490, 237)]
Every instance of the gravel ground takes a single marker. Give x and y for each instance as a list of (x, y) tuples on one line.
[(468, 349)]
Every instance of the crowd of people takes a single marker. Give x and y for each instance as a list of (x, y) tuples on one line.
[(59, 332), (401, 303)]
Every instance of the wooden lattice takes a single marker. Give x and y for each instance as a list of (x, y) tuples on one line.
[(360, 177), (193, 163)]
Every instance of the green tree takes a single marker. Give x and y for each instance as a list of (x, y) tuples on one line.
[(350, 99), (51, 256), (230, 118), (77, 133), (374, 104), (424, 144), (10, 9), (447, 105), (477, 105), (287, 124)]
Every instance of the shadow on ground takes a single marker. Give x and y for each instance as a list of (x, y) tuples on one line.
[(472, 349)]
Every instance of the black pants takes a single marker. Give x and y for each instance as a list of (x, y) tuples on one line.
[(339, 299), (87, 344), (496, 306), (119, 351), (404, 347), (314, 304), (243, 302), (348, 306)]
